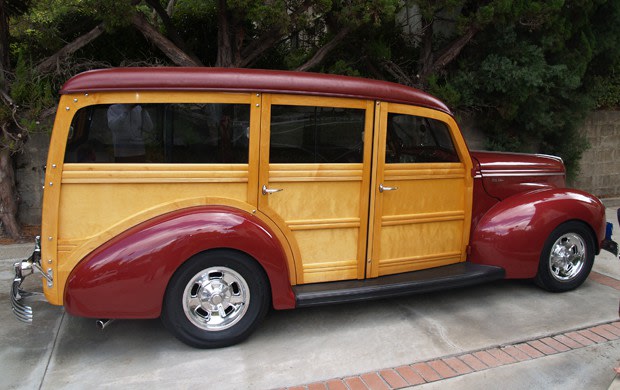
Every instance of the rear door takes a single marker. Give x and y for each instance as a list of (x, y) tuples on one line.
[(314, 181)]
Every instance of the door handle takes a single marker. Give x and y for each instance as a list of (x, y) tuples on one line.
[(383, 188), (267, 191)]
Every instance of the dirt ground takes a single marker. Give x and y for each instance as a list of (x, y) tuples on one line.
[(28, 234)]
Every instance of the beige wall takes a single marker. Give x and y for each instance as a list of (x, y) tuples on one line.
[(600, 165)]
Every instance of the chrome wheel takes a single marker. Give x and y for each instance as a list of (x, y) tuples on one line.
[(216, 298), (567, 257)]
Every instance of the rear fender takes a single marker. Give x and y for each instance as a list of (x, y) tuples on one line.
[(127, 277), (512, 233)]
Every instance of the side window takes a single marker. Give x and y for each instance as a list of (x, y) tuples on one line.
[(305, 134), (414, 139), (160, 133)]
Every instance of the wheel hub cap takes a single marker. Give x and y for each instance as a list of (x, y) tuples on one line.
[(216, 298), (568, 255)]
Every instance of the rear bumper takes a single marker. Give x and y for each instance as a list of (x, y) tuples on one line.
[(24, 269)]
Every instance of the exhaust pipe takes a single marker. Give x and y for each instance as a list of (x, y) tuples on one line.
[(103, 323)]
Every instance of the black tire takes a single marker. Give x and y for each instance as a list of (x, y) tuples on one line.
[(566, 258), (226, 295)]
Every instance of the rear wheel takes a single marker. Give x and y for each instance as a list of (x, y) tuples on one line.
[(566, 258), (216, 299)]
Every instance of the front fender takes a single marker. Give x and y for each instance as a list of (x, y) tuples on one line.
[(512, 233), (127, 277)]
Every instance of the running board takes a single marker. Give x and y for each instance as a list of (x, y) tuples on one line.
[(433, 279)]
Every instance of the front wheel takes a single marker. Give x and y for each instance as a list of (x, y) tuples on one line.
[(216, 299), (566, 258)]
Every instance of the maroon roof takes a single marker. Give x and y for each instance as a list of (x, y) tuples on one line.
[(247, 80)]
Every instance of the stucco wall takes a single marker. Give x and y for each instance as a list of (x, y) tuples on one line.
[(599, 174), (600, 165)]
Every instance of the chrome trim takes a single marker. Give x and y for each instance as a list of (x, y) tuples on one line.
[(519, 173), (384, 188), (267, 191), (21, 311), (23, 269), (103, 323)]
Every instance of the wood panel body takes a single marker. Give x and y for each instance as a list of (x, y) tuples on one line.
[(330, 218)]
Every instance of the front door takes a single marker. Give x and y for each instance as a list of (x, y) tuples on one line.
[(422, 188)]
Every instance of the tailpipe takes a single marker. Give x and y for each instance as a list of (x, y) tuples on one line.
[(103, 323)]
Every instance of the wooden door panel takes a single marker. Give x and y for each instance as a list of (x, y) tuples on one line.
[(323, 205), (422, 221)]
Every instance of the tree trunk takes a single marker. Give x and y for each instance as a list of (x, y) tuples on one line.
[(4, 43), (53, 61), (224, 45), (425, 61), (176, 55), (8, 198)]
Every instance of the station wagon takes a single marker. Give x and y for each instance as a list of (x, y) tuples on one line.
[(207, 196)]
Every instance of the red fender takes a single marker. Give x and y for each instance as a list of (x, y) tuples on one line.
[(512, 233), (127, 276)]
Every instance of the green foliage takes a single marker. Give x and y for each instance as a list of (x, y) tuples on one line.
[(33, 93), (530, 75), (343, 68)]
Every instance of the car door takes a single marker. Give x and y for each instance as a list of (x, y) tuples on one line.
[(421, 191), (314, 180)]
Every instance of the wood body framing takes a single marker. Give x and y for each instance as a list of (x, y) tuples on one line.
[(331, 219)]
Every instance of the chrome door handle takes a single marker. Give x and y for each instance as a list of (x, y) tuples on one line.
[(267, 191), (383, 188)]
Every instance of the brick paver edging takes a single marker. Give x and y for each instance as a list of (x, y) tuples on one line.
[(466, 363)]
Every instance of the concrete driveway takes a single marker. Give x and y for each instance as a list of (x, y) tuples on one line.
[(510, 333)]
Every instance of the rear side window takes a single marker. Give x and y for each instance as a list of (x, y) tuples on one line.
[(309, 134), (160, 133), (415, 139)]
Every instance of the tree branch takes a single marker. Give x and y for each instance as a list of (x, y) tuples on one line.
[(320, 55), (176, 55), (54, 60), (397, 72), (172, 33), (258, 46), (449, 53), (170, 8)]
